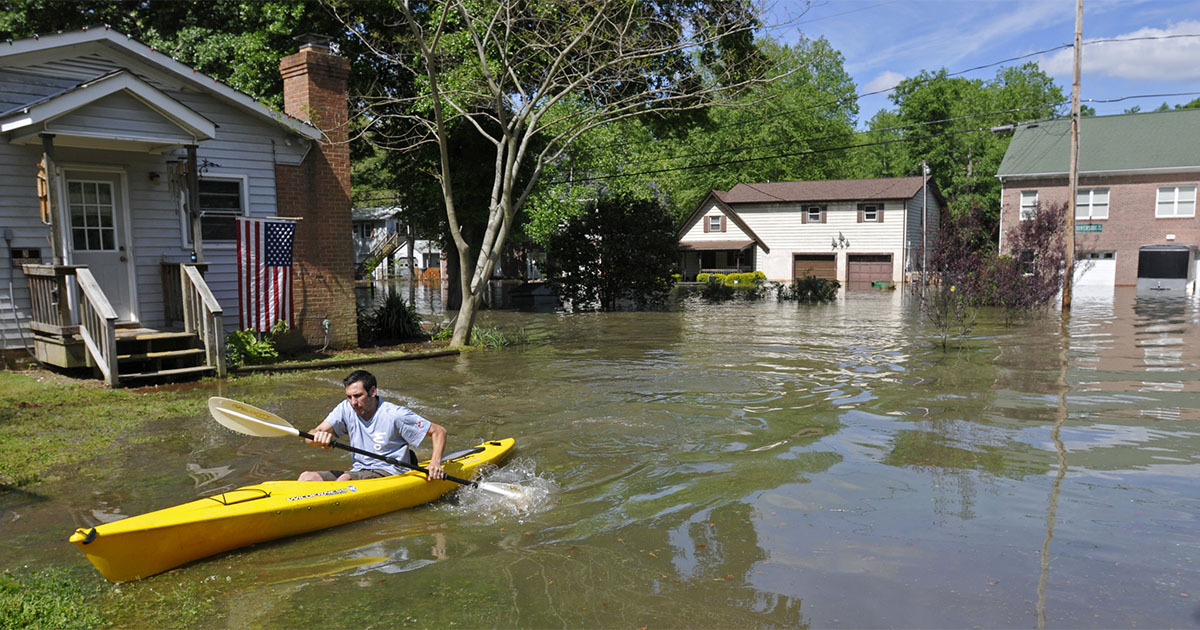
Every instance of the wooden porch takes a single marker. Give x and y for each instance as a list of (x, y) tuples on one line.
[(124, 353)]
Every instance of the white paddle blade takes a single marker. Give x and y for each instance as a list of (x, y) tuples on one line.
[(506, 490), (248, 419)]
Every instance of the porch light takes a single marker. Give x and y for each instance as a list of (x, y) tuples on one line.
[(155, 178)]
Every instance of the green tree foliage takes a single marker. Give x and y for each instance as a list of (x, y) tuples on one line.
[(945, 120), (802, 119), (621, 249), (239, 42)]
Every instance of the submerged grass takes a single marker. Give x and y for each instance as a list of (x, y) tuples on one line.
[(51, 425), (49, 598)]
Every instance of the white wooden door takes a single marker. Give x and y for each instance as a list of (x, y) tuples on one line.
[(97, 232)]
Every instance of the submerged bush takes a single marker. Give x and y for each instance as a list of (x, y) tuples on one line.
[(393, 320), (808, 289)]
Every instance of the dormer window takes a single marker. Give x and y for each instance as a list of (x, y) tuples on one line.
[(714, 223)]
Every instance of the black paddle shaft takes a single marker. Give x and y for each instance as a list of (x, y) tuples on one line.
[(391, 460)]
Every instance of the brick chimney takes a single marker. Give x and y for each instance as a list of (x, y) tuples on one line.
[(314, 90)]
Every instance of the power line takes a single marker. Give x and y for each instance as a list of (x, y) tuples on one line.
[(837, 148), (767, 157), (738, 149)]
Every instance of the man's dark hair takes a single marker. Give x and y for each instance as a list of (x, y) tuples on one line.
[(361, 376)]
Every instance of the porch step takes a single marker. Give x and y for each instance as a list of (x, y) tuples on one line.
[(197, 370), (145, 354), (149, 334), (164, 354)]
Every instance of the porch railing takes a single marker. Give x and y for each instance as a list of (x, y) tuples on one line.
[(202, 316), (50, 308), (97, 325)]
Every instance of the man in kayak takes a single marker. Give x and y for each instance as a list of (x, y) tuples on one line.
[(378, 426)]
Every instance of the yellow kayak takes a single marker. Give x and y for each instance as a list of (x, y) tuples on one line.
[(143, 545)]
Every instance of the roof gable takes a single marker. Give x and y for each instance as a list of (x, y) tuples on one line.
[(709, 201), (27, 121), (92, 52), (1153, 141)]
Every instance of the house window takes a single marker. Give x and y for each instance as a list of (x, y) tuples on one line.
[(93, 216), (1098, 256), (1028, 204), (432, 259), (714, 224), (1091, 203), (870, 213), (220, 204), (813, 214), (1175, 201)]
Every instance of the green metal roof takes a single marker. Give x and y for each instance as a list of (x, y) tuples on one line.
[(1168, 140)]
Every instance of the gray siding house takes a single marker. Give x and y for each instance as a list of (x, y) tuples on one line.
[(121, 174)]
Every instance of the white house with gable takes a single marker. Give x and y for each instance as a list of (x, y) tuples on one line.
[(856, 231)]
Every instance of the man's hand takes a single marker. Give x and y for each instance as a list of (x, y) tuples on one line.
[(320, 438), (435, 472)]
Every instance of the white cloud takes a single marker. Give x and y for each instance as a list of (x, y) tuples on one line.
[(1147, 59), (886, 80)]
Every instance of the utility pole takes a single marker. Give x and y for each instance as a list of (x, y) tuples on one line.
[(924, 212), (1073, 176)]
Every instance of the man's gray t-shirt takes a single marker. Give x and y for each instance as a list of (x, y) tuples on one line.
[(389, 432)]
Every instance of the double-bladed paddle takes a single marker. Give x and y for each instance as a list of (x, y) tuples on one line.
[(251, 420)]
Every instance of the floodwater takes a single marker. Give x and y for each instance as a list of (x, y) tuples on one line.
[(738, 465)]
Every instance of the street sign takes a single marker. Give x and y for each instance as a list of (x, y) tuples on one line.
[(1089, 227)]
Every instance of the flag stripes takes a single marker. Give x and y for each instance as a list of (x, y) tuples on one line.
[(264, 272)]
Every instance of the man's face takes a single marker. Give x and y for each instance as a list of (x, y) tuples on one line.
[(361, 400)]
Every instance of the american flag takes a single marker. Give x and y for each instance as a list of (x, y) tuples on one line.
[(264, 269)]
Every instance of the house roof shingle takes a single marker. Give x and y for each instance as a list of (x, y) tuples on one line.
[(1126, 142), (823, 190)]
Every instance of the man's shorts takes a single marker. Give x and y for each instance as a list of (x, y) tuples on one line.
[(367, 473), (355, 475)]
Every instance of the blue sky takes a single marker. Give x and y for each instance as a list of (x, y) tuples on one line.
[(884, 41)]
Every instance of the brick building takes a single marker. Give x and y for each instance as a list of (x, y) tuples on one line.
[(1135, 217)]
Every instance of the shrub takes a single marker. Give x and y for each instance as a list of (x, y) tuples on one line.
[(715, 289), (949, 311), (244, 347), (393, 320), (808, 289)]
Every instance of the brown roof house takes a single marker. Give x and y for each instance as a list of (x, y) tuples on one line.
[(857, 231), (1135, 208), (122, 172)]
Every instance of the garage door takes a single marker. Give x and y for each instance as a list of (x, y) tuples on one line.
[(1096, 270), (819, 265), (863, 269)]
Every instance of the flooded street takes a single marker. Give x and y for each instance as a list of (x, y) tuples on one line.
[(731, 465)]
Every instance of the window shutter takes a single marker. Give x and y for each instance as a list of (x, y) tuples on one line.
[(722, 223), (879, 214), (824, 214), (706, 223), (860, 213), (803, 214)]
